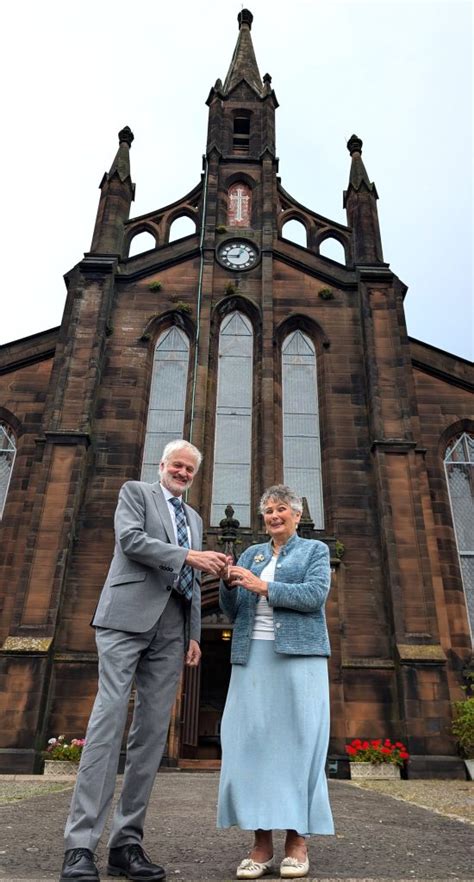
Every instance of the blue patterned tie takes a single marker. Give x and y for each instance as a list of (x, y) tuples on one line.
[(185, 585)]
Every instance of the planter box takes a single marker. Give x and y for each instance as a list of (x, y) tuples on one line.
[(52, 768), (372, 772), (470, 768)]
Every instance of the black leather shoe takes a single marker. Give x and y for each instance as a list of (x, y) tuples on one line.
[(79, 866), (133, 862)]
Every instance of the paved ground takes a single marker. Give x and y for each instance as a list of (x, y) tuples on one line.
[(378, 838)]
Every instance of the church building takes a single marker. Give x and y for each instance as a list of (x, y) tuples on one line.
[(281, 364)]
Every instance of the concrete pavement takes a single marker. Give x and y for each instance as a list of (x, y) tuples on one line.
[(378, 838)]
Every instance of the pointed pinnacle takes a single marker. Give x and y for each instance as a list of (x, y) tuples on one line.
[(244, 64)]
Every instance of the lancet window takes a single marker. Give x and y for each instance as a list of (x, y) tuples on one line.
[(301, 437), (459, 466), (233, 434), (167, 404), (7, 460)]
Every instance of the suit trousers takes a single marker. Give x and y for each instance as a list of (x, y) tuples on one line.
[(154, 660)]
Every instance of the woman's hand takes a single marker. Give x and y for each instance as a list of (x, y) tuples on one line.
[(243, 577)]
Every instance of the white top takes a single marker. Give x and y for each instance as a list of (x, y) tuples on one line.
[(263, 623), (172, 511)]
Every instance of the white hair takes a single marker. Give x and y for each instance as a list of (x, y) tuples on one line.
[(281, 493), (173, 446)]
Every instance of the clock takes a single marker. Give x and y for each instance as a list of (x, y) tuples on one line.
[(237, 255)]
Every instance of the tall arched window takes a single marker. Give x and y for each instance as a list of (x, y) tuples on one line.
[(233, 438), (7, 459), (459, 465), (301, 445), (167, 398)]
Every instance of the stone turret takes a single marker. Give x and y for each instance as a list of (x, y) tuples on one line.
[(117, 194), (360, 202)]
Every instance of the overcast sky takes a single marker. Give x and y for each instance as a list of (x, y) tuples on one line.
[(398, 73)]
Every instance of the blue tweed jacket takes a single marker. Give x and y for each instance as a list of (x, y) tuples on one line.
[(298, 599)]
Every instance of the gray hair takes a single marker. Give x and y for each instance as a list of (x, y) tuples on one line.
[(281, 493), (173, 446)]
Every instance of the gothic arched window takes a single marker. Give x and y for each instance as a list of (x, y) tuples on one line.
[(459, 465), (167, 398), (301, 445), (233, 436), (7, 459)]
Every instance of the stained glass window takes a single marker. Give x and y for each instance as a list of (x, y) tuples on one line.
[(459, 465), (167, 398), (301, 444), (233, 437), (7, 459)]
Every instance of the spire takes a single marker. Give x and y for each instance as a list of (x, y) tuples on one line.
[(244, 64), (117, 194), (360, 202), (358, 174), (121, 163), (242, 110)]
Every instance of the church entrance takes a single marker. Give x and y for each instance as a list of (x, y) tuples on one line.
[(205, 691)]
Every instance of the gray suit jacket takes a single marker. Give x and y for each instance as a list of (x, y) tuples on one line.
[(147, 562)]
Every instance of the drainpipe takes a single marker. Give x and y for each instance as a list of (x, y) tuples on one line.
[(199, 297)]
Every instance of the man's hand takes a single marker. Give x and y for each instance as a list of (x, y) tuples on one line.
[(213, 562), (193, 654)]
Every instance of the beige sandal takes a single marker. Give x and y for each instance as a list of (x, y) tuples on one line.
[(250, 869), (291, 868)]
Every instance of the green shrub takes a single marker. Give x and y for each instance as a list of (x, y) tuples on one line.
[(463, 726)]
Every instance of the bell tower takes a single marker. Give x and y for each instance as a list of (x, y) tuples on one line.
[(242, 110), (239, 210)]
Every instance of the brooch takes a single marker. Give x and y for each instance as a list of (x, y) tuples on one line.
[(258, 558)]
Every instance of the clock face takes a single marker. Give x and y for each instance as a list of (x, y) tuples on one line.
[(237, 255)]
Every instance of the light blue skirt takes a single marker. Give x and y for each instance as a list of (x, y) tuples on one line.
[(275, 734)]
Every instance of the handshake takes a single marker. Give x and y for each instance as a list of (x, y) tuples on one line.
[(213, 562)]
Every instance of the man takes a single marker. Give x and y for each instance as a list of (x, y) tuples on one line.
[(148, 616)]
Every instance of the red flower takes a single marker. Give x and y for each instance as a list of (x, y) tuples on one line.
[(377, 751)]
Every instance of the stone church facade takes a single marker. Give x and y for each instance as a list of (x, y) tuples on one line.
[(279, 363)]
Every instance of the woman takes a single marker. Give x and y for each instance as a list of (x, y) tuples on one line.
[(275, 727)]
